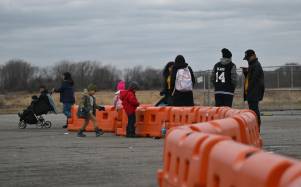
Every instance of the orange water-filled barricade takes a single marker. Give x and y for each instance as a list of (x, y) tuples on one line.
[(121, 123), (193, 158), (225, 161), (186, 155), (292, 176), (150, 121)]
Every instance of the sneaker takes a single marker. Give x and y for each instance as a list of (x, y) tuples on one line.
[(65, 126), (99, 132), (81, 134)]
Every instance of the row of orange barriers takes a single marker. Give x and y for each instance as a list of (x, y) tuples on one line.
[(199, 159), (242, 125)]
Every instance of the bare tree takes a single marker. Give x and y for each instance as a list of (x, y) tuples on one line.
[(16, 75), (146, 78)]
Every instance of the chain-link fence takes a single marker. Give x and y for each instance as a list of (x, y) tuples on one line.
[(283, 88)]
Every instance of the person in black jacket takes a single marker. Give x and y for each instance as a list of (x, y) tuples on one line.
[(166, 91), (254, 83), (182, 82), (224, 78), (66, 95)]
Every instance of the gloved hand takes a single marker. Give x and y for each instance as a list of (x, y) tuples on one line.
[(100, 108), (162, 93)]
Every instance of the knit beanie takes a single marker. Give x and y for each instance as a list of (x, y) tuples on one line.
[(91, 87), (226, 53)]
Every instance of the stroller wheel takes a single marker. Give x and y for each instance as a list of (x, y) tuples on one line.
[(47, 124), (22, 125)]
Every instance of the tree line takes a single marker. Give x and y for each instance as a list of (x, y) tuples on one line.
[(20, 75)]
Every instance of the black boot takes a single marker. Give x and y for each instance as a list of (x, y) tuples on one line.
[(81, 134), (65, 126), (98, 132)]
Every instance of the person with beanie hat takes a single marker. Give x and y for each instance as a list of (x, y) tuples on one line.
[(87, 110), (130, 104), (224, 79), (182, 82), (254, 83)]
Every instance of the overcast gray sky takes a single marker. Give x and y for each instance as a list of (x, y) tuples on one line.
[(126, 33)]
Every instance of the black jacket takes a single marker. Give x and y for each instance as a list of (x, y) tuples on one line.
[(175, 69), (256, 86), (42, 104), (181, 98), (66, 92)]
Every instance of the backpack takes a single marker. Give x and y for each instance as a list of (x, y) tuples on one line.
[(183, 80)]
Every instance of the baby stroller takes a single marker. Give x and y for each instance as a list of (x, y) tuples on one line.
[(33, 114)]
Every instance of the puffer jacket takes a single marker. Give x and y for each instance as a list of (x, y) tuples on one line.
[(129, 101)]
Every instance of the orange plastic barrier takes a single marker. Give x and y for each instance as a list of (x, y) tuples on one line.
[(249, 120), (150, 121), (232, 112), (205, 127), (175, 115), (186, 155), (221, 112), (225, 161), (188, 115), (204, 114), (121, 123), (107, 119), (292, 177), (227, 127), (199, 159), (200, 114), (263, 170)]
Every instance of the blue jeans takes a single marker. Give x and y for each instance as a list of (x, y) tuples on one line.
[(67, 109)]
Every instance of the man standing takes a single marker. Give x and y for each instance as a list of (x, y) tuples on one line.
[(254, 83), (224, 78)]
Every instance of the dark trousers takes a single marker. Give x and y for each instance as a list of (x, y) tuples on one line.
[(182, 98), (254, 106), (223, 100), (130, 129)]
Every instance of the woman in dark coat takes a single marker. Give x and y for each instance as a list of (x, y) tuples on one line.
[(166, 91), (181, 97), (66, 95)]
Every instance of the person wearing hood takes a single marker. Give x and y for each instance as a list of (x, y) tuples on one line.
[(117, 103), (130, 104), (224, 79), (182, 82), (66, 95), (254, 83)]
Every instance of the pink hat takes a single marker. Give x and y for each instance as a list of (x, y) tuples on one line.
[(121, 85)]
